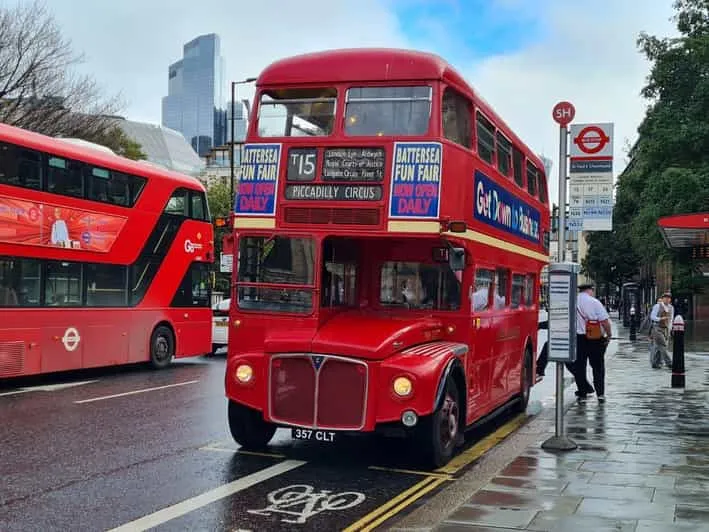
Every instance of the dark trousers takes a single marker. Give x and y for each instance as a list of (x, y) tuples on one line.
[(591, 352)]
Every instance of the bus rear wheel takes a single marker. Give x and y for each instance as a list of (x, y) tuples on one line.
[(526, 381), (248, 427), (443, 430), (162, 347)]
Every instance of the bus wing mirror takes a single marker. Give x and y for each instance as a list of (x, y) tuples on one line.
[(456, 259)]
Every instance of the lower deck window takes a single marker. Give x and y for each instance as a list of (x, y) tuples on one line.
[(261, 298), (417, 285)]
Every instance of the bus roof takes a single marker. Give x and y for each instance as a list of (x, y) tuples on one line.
[(378, 64), (88, 153)]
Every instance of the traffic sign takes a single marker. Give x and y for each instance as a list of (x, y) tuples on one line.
[(563, 113)]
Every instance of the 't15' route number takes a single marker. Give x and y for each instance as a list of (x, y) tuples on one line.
[(302, 164)]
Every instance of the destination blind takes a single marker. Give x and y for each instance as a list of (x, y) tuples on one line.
[(353, 164)]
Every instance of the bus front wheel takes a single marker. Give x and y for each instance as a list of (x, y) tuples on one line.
[(248, 427), (442, 431), (162, 347)]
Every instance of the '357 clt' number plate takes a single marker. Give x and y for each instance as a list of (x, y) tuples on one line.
[(313, 435)]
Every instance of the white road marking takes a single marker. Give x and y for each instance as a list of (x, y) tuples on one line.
[(144, 390), (208, 497), (47, 387)]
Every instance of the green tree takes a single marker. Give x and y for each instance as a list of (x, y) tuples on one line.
[(669, 169), (220, 204), (116, 139)]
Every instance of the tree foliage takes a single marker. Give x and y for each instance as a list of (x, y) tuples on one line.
[(39, 87), (669, 169), (220, 204)]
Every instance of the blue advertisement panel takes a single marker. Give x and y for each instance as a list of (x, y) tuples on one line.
[(258, 183), (497, 207), (416, 180)]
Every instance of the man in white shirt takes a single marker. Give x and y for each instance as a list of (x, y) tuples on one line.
[(588, 308), (661, 317)]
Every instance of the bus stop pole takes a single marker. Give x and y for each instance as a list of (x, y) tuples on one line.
[(560, 442)]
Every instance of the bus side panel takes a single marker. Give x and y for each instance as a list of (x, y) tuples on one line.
[(106, 338)]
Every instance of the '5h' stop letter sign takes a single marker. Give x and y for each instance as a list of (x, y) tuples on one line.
[(563, 113)]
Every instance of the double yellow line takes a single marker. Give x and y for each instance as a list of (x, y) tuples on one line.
[(395, 505), (434, 479)]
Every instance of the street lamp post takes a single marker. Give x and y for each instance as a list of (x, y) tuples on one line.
[(231, 149)]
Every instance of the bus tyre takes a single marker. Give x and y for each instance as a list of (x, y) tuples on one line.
[(442, 432), (248, 427), (162, 347), (527, 377)]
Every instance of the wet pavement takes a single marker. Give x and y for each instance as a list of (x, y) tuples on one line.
[(134, 449), (642, 462)]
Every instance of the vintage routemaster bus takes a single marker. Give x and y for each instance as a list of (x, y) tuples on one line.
[(103, 260), (390, 231)]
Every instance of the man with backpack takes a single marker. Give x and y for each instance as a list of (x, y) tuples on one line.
[(593, 332)]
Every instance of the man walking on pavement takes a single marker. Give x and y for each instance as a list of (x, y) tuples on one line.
[(661, 318), (593, 332)]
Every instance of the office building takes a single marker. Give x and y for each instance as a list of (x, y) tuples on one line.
[(195, 102)]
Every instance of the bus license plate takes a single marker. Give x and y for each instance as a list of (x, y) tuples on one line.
[(313, 435)]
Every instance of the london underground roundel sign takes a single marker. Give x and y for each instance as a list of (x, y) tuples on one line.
[(591, 140), (563, 113)]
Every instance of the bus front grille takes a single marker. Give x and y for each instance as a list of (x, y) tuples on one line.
[(318, 391)]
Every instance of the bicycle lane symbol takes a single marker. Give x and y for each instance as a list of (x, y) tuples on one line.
[(301, 502)]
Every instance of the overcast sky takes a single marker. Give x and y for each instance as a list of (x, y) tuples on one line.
[(521, 55)]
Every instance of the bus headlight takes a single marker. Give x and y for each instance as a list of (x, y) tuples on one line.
[(403, 386), (244, 373)]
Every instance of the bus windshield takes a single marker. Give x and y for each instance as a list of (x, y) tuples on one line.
[(297, 112), (276, 261), (378, 111), (416, 285)]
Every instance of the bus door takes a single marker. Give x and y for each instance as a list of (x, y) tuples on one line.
[(482, 339)]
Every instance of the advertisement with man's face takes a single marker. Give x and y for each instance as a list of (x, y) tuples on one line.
[(43, 224)]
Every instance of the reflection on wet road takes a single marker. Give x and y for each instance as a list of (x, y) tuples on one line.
[(134, 449)]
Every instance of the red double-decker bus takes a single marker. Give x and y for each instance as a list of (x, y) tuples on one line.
[(390, 231), (103, 260)]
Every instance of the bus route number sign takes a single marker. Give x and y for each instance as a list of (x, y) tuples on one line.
[(302, 163)]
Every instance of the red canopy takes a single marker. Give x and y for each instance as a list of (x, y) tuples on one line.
[(685, 230)]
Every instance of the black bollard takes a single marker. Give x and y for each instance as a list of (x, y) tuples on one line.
[(678, 352), (633, 325)]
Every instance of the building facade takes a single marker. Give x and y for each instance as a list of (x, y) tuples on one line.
[(163, 146), (195, 102)]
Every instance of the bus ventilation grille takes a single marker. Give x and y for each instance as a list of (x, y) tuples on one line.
[(335, 216), (12, 358)]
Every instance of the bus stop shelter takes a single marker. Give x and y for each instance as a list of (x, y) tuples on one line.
[(685, 230), (690, 232)]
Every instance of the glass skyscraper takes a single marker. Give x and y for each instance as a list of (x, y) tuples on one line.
[(195, 102)]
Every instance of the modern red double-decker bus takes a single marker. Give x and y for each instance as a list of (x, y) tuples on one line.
[(390, 231), (103, 260)]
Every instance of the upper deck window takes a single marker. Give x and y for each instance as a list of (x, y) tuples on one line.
[(532, 179), (486, 138), (297, 112), (379, 111), (456, 116)]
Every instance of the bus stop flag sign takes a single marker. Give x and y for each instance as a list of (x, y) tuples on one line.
[(563, 113)]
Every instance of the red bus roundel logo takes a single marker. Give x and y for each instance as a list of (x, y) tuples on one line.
[(591, 139)]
